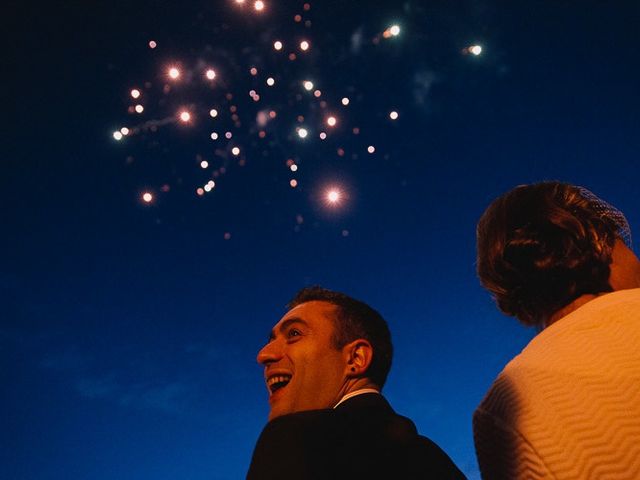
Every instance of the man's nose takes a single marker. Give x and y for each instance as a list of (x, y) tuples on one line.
[(270, 353)]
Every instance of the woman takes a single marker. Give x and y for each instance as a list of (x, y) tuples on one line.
[(557, 257)]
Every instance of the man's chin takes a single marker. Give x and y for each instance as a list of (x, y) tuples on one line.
[(275, 414)]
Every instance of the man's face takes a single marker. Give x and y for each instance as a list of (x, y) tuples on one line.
[(302, 368)]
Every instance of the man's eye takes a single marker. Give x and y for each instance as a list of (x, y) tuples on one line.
[(294, 332)]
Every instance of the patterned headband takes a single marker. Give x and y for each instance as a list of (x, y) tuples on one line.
[(607, 210)]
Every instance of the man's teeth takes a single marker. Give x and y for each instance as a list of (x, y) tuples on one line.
[(277, 381)]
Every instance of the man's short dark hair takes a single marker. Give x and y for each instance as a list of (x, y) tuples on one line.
[(541, 246), (353, 320)]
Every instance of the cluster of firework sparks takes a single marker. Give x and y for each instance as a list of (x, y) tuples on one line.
[(217, 114)]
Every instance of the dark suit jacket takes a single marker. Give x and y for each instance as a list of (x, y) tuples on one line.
[(362, 438)]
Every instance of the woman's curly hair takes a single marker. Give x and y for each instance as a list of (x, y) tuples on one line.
[(541, 246)]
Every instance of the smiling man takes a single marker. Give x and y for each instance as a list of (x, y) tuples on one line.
[(325, 365)]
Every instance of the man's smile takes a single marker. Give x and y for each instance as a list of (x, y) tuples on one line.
[(277, 381)]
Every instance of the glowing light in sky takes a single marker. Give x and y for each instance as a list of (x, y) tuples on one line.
[(333, 196), (475, 49), (147, 197), (231, 123)]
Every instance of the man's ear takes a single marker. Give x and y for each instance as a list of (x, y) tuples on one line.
[(358, 355)]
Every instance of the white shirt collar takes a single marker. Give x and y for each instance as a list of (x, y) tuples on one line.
[(356, 392)]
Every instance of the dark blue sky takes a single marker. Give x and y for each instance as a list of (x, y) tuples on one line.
[(129, 331)]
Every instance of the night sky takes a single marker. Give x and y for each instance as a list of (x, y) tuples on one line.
[(129, 329)]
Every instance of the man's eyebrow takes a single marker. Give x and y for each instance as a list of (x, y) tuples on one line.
[(286, 324)]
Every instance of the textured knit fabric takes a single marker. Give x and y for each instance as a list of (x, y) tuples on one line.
[(568, 407)]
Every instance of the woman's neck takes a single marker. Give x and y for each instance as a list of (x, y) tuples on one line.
[(567, 309)]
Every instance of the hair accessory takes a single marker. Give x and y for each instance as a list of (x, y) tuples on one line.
[(607, 210)]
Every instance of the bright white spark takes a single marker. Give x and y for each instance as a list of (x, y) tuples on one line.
[(117, 135), (302, 132), (235, 151), (214, 136), (345, 101), (147, 197), (277, 45), (139, 108), (204, 164), (259, 5), (393, 115), (213, 112), (331, 121), (271, 82), (308, 85), (475, 49), (394, 30), (333, 196), (135, 93), (185, 116), (371, 149), (304, 45), (174, 73), (210, 74), (124, 131)]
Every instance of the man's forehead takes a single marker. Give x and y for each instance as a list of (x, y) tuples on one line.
[(314, 310)]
